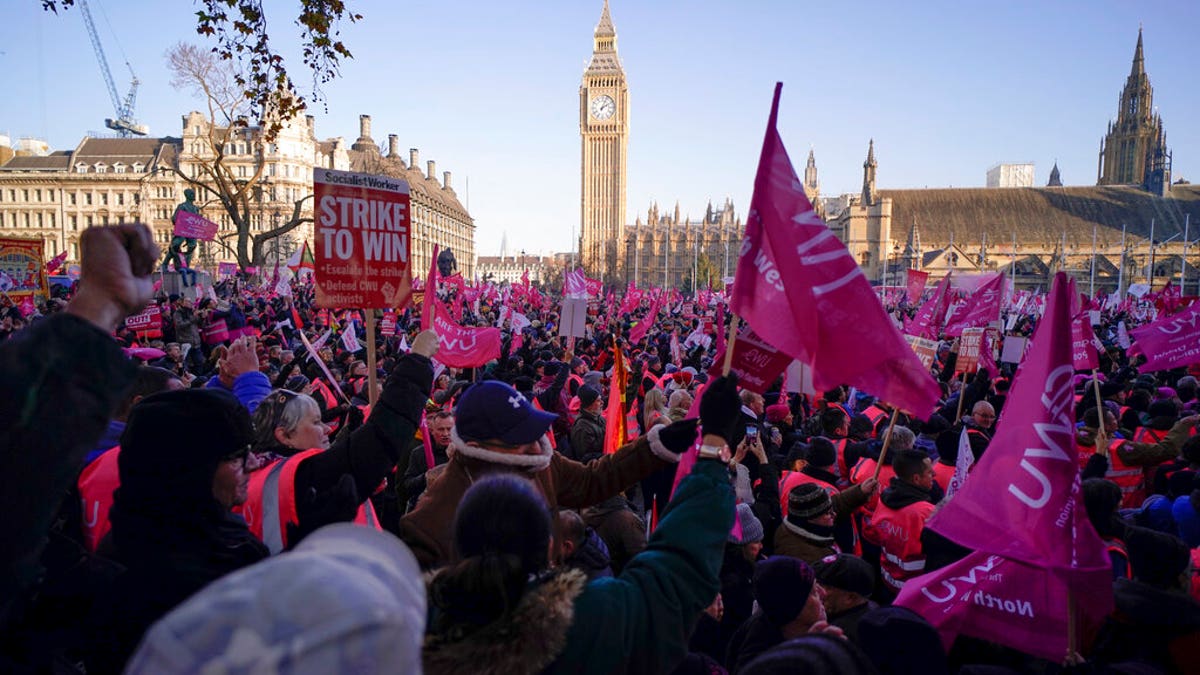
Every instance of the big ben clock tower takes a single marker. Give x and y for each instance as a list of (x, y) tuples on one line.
[(604, 131)]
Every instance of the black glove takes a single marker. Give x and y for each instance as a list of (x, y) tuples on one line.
[(1096, 467), (339, 504), (720, 407), (679, 436)]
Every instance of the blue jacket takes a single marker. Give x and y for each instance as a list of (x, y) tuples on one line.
[(249, 388), (110, 439)]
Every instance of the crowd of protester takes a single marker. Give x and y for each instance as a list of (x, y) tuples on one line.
[(179, 501)]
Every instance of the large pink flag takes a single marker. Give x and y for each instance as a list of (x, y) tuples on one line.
[(1169, 342), (1022, 500), (981, 308), (802, 291), (575, 284), (1000, 600), (463, 346), (928, 322), (644, 324)]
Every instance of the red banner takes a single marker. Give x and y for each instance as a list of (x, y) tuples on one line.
[(387, 325), (362, 240), (226, 269), (756, 362), (460, 346), (194, 226), (594, 286), (916, 285), (148, 322), (22, 270)]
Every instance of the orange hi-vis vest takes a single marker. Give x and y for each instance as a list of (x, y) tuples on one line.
[(97, 483), (1129, 478), (943, 474), (271, 503), (839, 444), (875, 413), (1146, 435), (795, 479), (864, 469), (899, 535), (1122, 568)]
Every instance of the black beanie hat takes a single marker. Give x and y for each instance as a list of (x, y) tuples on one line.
[(821, 452), (898, 640), (174, 441), (807, 501)]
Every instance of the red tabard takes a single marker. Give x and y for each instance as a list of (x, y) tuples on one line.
[(899, 535), (271, 503), (797, 478), (96, 486)]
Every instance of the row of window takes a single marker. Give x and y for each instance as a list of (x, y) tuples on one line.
[(25, 194), (117, 167)]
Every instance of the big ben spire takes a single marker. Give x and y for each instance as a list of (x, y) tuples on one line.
[(604, 132)]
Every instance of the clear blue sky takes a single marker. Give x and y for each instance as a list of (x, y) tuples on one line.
[(490, 90)]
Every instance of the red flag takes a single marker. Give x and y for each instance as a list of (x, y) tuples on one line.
[(916, 284), (719, 325), (614, 420), (1083, 348), (574, 284), (56, 262), (430, 291), (981, 308), (802, 291), (645, 323)]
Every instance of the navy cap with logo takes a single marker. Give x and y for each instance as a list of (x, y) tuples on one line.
[(494, 411)]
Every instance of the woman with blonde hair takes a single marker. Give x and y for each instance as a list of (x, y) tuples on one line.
[(654, 411)]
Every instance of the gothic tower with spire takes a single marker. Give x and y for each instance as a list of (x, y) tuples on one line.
[(604, 132), (869, 195), (1134, 151), (812, 186)]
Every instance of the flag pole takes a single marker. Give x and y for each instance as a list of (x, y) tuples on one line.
[(1101, 442), (887, 440), (733, 326), (372, 375), (961, 391)]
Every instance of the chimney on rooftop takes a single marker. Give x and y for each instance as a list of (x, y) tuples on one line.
[(446, 180), (414, 157), (364, 126), (393, 145), (432, 175)]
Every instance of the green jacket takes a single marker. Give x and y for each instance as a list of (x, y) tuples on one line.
[(640, 621)]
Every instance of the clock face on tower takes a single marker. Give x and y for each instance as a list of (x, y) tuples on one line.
[(603, 107)]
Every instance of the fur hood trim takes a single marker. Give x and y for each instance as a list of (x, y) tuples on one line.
[(527, 640), (531, 463)]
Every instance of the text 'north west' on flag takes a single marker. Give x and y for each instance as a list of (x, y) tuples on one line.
[(800, 289)]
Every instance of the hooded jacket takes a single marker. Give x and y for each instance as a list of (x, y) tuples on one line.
[(564, 484), (637, 622), (1158, 626)]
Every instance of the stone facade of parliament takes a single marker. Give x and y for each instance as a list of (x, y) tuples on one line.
[(1030, 233)]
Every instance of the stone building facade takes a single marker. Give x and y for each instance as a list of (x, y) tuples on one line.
[(55, 196), (1124, 230), (666, 249), (604, 136)]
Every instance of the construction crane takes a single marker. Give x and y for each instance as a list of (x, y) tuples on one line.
[(124, 124)]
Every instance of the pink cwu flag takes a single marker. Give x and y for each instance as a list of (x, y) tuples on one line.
[(1023, 498), (928, 321), (1000, 600), (981, 308), (461, 346), (1169, 342), (802, 291)]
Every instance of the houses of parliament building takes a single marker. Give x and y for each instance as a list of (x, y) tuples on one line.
[(1135, 215)]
